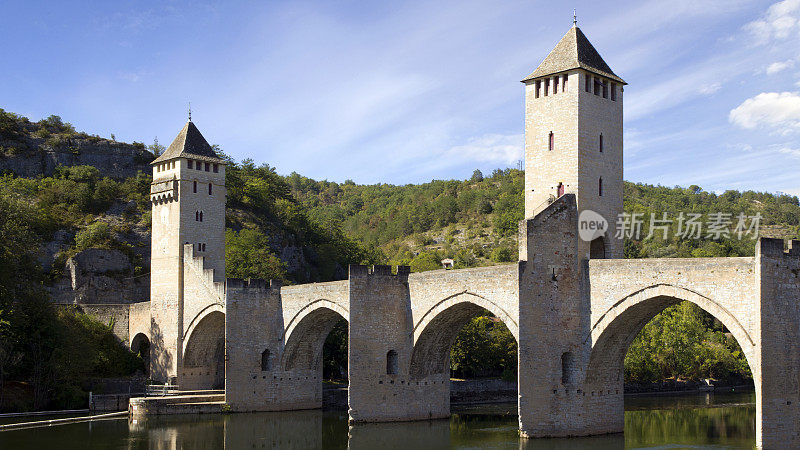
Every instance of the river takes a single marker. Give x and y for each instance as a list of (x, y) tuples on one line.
[(681, 421)]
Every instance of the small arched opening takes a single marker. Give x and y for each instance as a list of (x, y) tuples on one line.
[(140, 345), (597, 248)]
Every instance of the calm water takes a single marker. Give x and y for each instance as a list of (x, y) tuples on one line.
[(696, 421)]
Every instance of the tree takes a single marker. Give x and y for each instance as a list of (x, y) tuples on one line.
[(247, 255), (156, 149), (477, 176)]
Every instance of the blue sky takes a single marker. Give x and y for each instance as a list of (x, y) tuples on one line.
[(405, 92)]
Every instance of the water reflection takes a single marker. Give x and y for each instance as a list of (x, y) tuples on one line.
[(721, 420)]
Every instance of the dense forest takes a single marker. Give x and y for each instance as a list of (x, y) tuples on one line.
[(324, 226)]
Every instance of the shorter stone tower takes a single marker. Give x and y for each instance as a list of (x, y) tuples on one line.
[(573, 136), (188, 197)]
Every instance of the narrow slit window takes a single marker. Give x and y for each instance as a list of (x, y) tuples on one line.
[(266, 364), (601, 143), (588, 83), (190, 163), (564, 80), (600, 187), (537, 88), (208, 167), (596, 86), (551, 142), (197, 216), (605, 89), (201, 216), (194, 187), (555, 85), (567, 368), (216, 168), (210, 187), (391, 363), (613, 92), (546, 86)]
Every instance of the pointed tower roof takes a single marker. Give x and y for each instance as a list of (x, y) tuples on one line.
[(574, 51), (190, 144)]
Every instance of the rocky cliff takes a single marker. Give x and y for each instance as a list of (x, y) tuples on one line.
[(32, 149)]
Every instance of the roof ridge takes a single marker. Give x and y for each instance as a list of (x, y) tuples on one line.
[(573, 51), (189, 143)]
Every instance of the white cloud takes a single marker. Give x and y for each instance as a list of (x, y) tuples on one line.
[(781, 21), (494, 148), (779, 66), (780, 111), (708, 89)]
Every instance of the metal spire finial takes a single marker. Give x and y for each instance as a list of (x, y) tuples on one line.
[(574, 18), (190, 111)]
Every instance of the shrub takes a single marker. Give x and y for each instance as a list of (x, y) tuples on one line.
[(503, 254), (95, 235)]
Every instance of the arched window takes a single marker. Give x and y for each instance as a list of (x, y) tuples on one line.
[(391, 362), (601, 142), (266, 364), (600, 187), (197, 216), (567, 368), (201, 216), (551, 142)]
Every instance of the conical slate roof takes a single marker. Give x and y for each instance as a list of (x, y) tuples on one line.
[(574, 51), (189, 144)]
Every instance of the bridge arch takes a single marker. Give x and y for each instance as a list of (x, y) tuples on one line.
[(613, 332), (204, 351), (306, 332), (437, 330)]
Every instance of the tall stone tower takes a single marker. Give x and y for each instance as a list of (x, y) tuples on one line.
[(188, 198), (573, 136)]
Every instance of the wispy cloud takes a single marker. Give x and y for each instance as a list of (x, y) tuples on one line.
[(779, 66)]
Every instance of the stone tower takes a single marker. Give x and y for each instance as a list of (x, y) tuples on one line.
[(573, 136), (188, 198)]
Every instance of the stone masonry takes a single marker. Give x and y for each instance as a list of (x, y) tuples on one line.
[(572, 307)]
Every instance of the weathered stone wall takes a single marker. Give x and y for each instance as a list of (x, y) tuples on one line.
[(176, 227), (139, 319), (251, 385), (379, 347), (552, 314), (777, 373), (576, 119)]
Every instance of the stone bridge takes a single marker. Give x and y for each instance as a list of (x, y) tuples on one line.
[(573, 319)]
